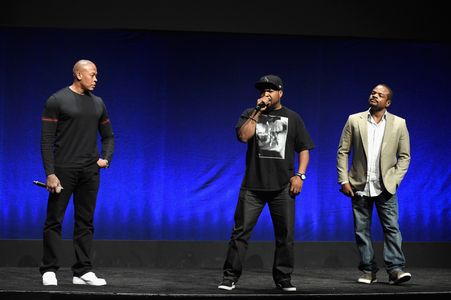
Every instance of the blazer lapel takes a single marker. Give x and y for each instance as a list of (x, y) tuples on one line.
[(388, 127), (363, 127)]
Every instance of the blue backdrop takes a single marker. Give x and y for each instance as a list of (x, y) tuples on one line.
[(174, 99)]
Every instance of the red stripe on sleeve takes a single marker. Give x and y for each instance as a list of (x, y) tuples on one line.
[(105, 121), (49, 120)]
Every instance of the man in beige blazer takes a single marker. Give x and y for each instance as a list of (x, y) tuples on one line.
[(378, 144)]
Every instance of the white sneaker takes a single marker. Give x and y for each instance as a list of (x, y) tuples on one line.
[(90, 279), (49, 278)]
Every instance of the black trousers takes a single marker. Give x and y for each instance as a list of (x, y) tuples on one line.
[(83, 184), (250, 205)]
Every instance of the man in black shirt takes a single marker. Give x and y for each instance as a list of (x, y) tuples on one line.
[(71, 121), (274, 135)]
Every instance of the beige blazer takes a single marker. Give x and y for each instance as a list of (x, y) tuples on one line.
[(395, 152)]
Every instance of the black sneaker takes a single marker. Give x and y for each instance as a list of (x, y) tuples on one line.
[(286, 286), (227, 284), (398, 276)]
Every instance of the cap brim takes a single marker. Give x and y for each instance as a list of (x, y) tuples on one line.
[(266, 85)]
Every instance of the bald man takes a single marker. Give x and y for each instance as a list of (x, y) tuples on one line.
[(72, 120)]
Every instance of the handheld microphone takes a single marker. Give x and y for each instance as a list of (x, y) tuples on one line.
[(38, 183), (262, 105), (42, 184)]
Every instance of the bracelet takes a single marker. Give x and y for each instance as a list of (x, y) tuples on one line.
[(252, 119)]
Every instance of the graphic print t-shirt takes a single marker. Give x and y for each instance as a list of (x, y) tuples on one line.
[(271, 132), (270, 156)]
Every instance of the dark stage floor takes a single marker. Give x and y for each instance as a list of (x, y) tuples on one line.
[(146, 283)]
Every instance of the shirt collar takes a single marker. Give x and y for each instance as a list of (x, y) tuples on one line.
[(371, 119)]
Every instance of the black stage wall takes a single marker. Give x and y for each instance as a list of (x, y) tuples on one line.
[(401, 19), (211, 254)]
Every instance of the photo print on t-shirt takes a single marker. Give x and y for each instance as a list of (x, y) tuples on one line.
[(271, 134)]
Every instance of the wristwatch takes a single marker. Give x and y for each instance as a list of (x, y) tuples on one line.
[(302, 176)]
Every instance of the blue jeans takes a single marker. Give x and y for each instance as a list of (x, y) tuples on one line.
[(387, 210), (250, 205)]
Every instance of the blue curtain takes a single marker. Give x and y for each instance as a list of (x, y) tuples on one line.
[(174, 99)]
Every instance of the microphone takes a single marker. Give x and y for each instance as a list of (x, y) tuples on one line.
[(42, 184), (262, 104), (38, 183)]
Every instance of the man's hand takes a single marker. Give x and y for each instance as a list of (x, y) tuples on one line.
[(295, 185), (103, 163), (346, 189), (266, 100), (53, 184)]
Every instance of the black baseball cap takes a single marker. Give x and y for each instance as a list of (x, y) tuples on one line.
[(269, 81)]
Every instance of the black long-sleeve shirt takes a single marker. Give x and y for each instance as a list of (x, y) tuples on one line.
[(70, 123)]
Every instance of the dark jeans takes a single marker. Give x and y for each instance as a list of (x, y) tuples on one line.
[(83, 183), (249, 207), (387, 210)]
